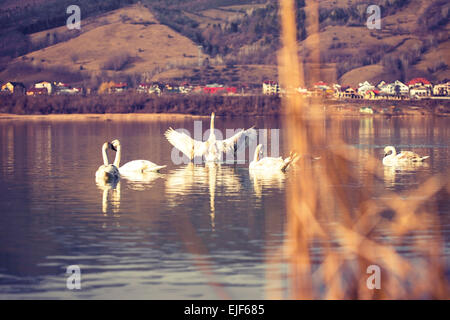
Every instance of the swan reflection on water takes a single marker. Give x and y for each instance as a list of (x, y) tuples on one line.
[(393, 173), (264, 180), (140, 181), (110, 197), (191, 179)]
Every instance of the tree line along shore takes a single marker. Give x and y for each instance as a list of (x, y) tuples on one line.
[(227, 105)]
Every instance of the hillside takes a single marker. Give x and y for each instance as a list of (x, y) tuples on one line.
[(156, 40), (125, 41), (413, 42)]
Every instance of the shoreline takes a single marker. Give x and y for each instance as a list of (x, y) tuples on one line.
[(98, 116), (171, 116), (387, 109), (128, 105)]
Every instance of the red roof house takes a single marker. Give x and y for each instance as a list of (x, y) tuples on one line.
[(419, 82), (37, 91)]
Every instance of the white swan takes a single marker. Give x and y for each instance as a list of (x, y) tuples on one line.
[(391, 158), (271, 164), (135, 167), (212, 148), (106, 172)]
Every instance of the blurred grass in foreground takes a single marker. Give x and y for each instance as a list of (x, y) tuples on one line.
[(321, 210)]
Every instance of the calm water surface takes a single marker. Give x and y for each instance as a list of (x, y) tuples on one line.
[(191, 232)]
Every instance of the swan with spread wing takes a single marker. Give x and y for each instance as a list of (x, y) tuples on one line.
[(212, 148)]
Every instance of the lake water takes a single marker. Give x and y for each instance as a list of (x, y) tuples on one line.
[(190, 232)]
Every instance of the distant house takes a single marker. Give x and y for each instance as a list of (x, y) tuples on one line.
[(395, 88), (182, 88), (44, 84), (337, 90), (218, 88), (231, 90), (387, 89), (419, 82), (118, 87), (321, 86), (171, 88), (185, 88), (143, 87), (349, 93), (37, 91), (60, 87), (420, 92), (64, 88), (271, 88), (372, 94), (401, 88), (442, 89), (365, 86), (212, 89), (150, 88), (14, 87), (112, 87), (70, 91)]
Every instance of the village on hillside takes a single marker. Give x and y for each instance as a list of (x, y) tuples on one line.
[(417, 88), (111, 87)]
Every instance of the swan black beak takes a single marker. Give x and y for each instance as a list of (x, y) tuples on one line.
[(112, 146)]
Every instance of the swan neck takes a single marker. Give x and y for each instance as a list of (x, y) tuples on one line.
[(256, 156), (118, 155), (104, 154), (212, 124)]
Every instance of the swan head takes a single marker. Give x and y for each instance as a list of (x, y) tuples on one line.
[(389, 150), (108, 145), (257, 152), (259, 147), (114, 145)]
